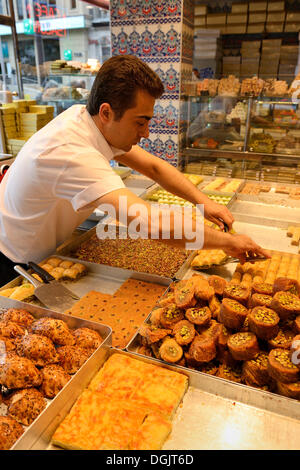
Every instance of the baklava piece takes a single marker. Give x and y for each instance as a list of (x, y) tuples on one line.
[(54, 378), (283, 339), (230, 373), (54, 261), (153, 334), (26, 405), (65, 264), (58, 273), (208, 368), (198, 316), (218, 284), (290, 390), (263, 322), (283, 284), (258, 300), (203, 349), (243, 346), (232, 314), (285, 304), (203, 291), (171, 315), (10, 431), (262, 288), (255, 371), (237, 292), (167, 299), (184, 332), (170, 350), (281, 368), (215, 306), (184, 294)]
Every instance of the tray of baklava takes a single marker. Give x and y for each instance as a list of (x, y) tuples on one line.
[(160, 406), (42, 354)]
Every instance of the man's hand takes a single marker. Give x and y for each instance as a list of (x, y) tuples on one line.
[(216, 213), (241, 246)]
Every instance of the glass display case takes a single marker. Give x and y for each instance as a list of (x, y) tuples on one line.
[(242, 137)]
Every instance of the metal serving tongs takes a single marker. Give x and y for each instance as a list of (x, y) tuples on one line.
[(229, 259)]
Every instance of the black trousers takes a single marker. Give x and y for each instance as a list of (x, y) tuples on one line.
[(7, 272)]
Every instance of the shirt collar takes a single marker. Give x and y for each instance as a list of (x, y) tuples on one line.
[(103, 146)]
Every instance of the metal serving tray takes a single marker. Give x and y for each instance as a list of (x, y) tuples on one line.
[(265, 214), (215, 413), (69, 246), (32, 431), (271, 197)]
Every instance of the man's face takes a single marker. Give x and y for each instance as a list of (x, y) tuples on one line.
[(133, 125)]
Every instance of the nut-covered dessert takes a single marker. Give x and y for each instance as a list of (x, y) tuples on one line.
[(260, 300), (218, 284), (237, 292), (232, 314), (230, 373), (198, 316), (25, 405), (290, 390), (263, 322), (283, 339), (285, 304), (171, 314), (255, 371), (184, 332), (203, 348), (262, 288), (286, 285), (281, 368), (170, 350), (184, 294), (243, 346)]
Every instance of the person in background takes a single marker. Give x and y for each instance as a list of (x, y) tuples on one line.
[(63, 171)]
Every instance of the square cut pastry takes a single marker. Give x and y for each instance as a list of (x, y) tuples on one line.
[(57, 273), (66, 264), (54, 261)]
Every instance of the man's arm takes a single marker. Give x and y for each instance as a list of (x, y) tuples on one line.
[(175, 182), (123, 201)]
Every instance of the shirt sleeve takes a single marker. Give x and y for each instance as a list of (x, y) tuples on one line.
[(86, 178)]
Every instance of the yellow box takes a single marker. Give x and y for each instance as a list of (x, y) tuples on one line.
[(276, 6), (239, 8), (257, 17), (216, 19), (257, 6), (291, 28), (256, 28), (293, 16), (236, 19), (276, 17), (274, 27), (200, 21), (236, 29)]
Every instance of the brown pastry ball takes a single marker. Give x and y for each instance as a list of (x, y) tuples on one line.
[(57, 330), (260, 300), (262, 288), (217, 283), (19, 372), (243, 346), (25, 405), (10, 431), (39, 349), (19, 316), (255, 371), (285, 304), (213, 331), (263, 322), (198, 316), (71, 358), (87, 338), (281, 368), (237, 292), (184, 332), (232, 314), (287, 285), (203, 348), (11, 329), (54, 379), (171, 315), (283, 340), (170, 350)]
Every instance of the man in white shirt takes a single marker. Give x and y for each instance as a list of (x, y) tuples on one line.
[(63, 173)]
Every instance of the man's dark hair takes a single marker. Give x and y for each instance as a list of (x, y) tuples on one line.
[(117, 82)]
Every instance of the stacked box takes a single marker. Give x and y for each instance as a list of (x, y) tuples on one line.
[(8, 116), (14, 145), (231, 65), (250, 53), (239, 8), (270, 55)]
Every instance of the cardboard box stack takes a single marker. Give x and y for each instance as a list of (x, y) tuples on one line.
[(292, 22), (269, 61), (20, 120), (207, 52), (250, 53)]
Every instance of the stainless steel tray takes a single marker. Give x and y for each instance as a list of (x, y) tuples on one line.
[(215, 413), (70, 245), (31, 432), (272, 197), (270, 215)]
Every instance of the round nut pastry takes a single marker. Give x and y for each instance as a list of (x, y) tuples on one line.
[(57, 330), (286, 284), (263, 322), (184, 332), (290, 390), (262, 288), (171, 314), (255, 371), (19, 316), (283, 340), (257, 300), (10, 329), (54, 379), (10, 431), (198, 316), (170, 350), (39, 349), (243, 346), (87, 338), (237, 292), (71, 358), (285, 304), (281, 368), (26, 405), (203, 348), (232, 314), (19, 372)]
